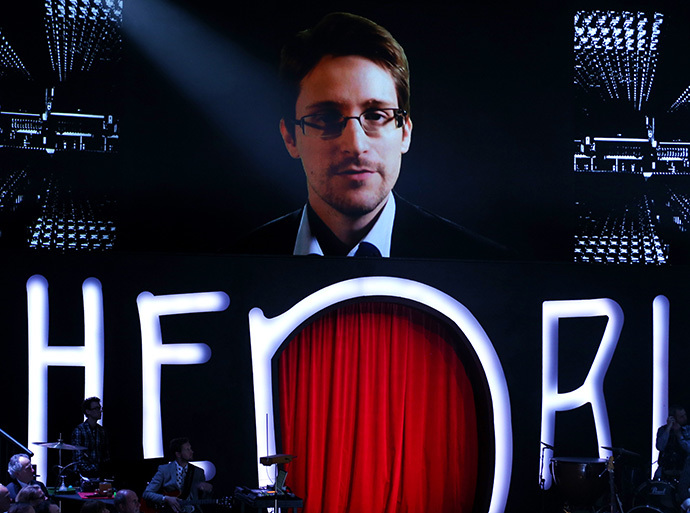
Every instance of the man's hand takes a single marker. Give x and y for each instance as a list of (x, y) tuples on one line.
[(205, 487), (174, 503)]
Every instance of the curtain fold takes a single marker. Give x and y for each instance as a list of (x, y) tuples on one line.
[(379, 411)]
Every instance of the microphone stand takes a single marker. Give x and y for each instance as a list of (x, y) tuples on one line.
[(542, 480), (61, 476)]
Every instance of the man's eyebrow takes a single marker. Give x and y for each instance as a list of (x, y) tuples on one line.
[(377, 103), (333, 104), (328, 104)]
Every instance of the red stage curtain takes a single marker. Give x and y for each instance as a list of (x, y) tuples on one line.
[(379, 411)]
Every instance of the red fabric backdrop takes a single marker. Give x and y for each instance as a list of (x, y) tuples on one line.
[(379, 411)]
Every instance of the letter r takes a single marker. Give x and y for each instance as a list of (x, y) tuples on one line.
[(592, 390)]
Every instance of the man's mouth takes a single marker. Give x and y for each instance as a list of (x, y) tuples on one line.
[(355, 171), (355, 167)]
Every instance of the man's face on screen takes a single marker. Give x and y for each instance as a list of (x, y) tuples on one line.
[(351, 173)]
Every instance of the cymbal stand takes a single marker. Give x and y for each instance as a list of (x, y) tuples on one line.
[(61, 484)]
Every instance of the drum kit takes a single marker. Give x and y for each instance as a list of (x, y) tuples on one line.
[(591, 484), (61, 446), (102, 486)]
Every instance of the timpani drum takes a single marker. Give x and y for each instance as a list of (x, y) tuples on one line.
[(581, 481)]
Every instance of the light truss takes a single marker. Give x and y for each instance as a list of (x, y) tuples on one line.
[(616, 54), (80, 32), (682, 101), (9, 58)]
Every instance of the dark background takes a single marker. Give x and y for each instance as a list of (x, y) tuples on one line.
[(202, 162)]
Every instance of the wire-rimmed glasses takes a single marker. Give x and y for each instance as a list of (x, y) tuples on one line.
[(330, 124)]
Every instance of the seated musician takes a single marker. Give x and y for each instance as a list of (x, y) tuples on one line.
[(178, 479), (673, 443)]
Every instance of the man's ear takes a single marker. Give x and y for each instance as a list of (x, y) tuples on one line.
[(289, 140), (407, 134)]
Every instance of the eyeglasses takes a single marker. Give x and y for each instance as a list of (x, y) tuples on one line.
[(330, 124)]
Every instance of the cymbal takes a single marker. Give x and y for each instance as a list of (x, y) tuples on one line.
[(61, 445), (619, 450)]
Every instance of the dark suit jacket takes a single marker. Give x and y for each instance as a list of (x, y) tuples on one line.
[(416, 234), (165, 482)]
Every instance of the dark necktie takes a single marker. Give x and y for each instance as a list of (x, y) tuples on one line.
[(180, 477), (366, 249)]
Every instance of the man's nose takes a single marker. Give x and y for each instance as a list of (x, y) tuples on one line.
[(353, 139)]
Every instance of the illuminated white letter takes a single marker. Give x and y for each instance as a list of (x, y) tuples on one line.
[(660, 326), (592, 390), (41, 356), (268, 334), (154, 353)]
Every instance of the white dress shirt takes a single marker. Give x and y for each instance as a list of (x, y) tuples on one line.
[(379, 235)]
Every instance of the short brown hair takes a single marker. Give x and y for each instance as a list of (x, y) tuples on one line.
[(86, 403), (340, 34), (176, 444), (30, 494)]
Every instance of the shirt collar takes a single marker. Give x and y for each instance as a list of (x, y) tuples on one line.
[(379, 235)]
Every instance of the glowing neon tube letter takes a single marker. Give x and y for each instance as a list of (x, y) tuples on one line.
[(41, 356), (154, 353), (592, 390)]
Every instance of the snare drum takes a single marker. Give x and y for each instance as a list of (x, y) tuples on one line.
[(581, 480)]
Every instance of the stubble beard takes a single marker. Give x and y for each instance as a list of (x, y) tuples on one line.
[(356, 201)]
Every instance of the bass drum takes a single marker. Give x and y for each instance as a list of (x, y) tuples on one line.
[(659, 495), (649, 509)]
